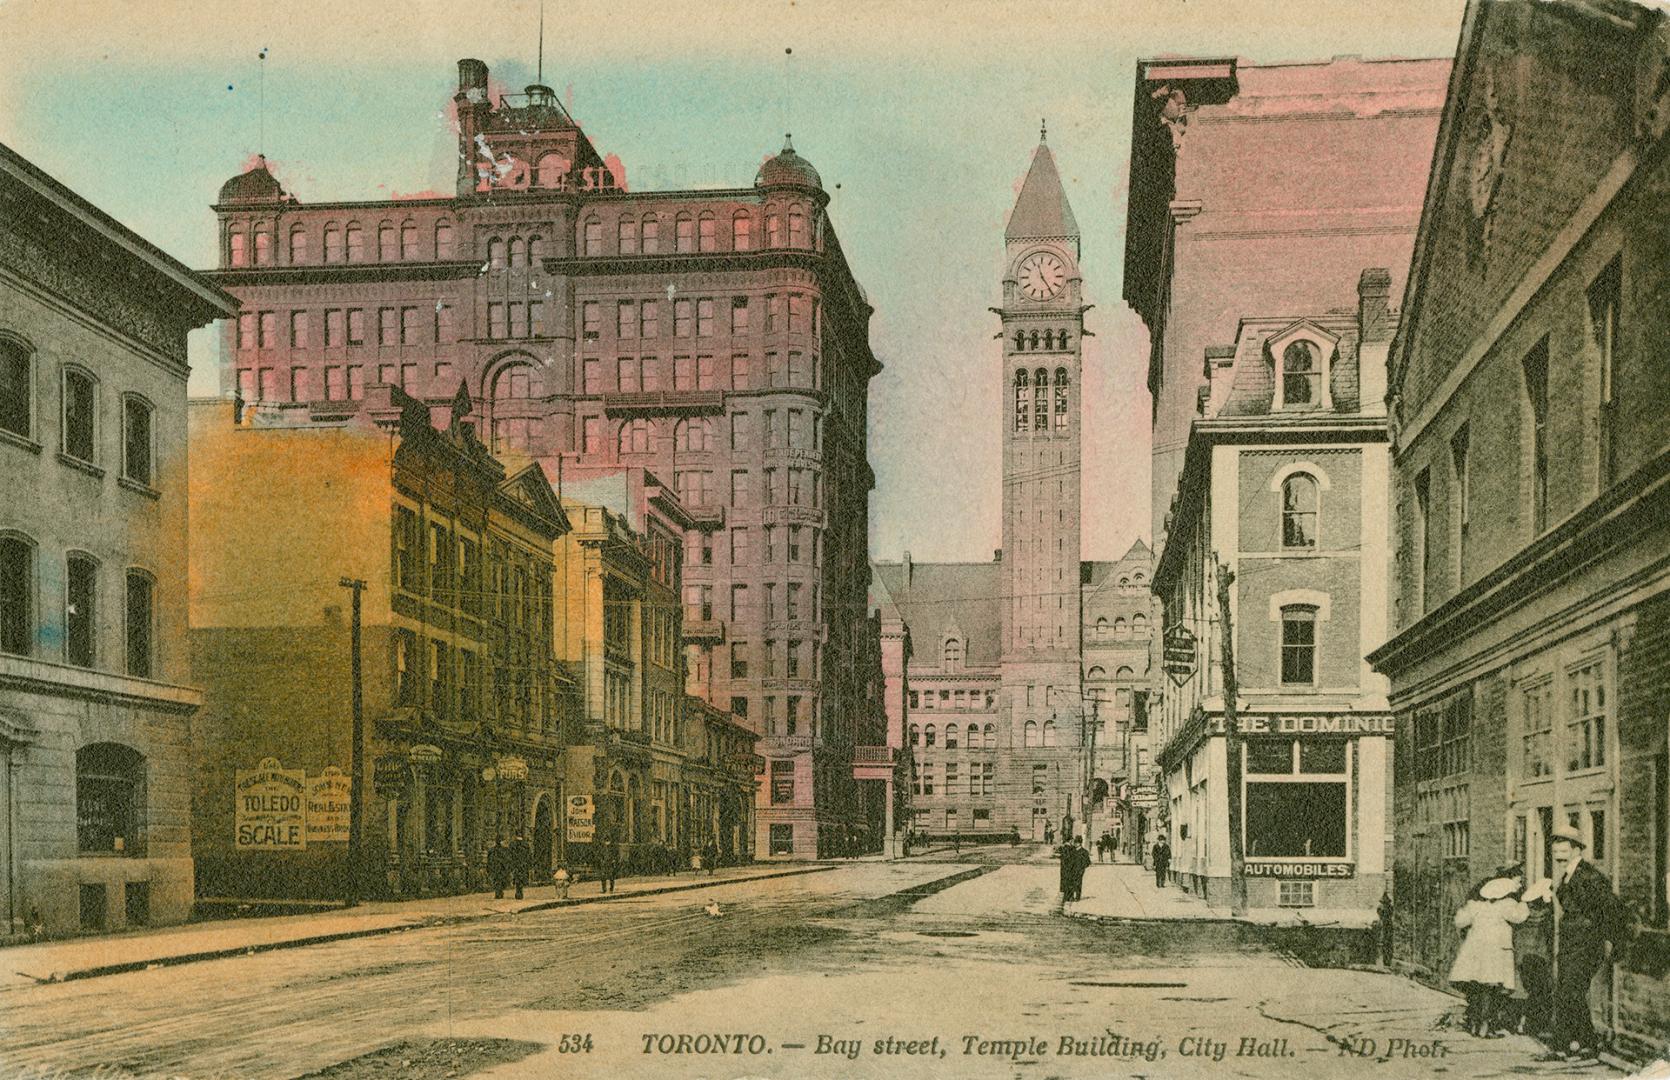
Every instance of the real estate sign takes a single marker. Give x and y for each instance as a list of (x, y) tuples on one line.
[(328, 801), (580, 819), (269, 811)]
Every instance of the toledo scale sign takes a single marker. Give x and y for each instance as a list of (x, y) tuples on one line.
[(279, 809)]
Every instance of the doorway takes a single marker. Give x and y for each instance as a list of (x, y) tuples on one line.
[(542, 840)]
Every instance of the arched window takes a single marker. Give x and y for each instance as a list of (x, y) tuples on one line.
[(263, 246), (1299, 499), (1049, 732), (518, 253), (138, 445), (953, 653), (707, 233), (973, 742), (140, 623), (516, 389), (1120, 627), (1101, 627), (684, 233), (1096, 673), (443, 240), (536, 250), (110, 799), (694, 435), (551, 170), (298, 244), (1139, 624), (990, 733), (17, 595), (950, 736), (1060, 397), (634, 437), (387, 249), (626, 236), (1029, 734), (238, 253), (928, 735), (1020, 340), (797, 229), (773, 231), (17, 398), (1040, 400), (408, 240), (81, 412), (1034, 340), (495, 254), (356, 242), (916, 734), (333, 242), (1023, 402), (652, 234), (742, 231), (81, 610), (1301, 375), (1138, 577)]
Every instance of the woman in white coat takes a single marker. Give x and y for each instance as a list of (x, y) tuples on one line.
[(1484, 967)]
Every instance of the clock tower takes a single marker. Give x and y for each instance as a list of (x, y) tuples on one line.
[(1043, 324)]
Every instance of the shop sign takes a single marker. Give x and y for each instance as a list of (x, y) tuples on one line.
[(1177, 653), (580, 819), (328, 800), (1324, 724), (513, 769), (269, 808), (1299, 868)]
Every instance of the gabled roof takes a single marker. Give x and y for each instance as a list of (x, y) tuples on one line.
[(942, 595), (529, 487), (1041, 211)]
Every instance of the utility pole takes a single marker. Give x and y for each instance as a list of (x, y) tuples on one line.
[(356, 762), (1090, 768), (1232, 748)]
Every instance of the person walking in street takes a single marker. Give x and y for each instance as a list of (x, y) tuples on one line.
[(608, 866), (1069, 863), (1082, 860), (1162, 861), (498, 867), (521, 861), (1484, 967), (1588, 915)]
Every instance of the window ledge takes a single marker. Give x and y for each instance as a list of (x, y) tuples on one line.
[(139, 488), (76, 463), (23, 441)]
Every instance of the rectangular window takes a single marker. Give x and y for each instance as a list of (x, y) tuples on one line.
[(536, 319), (649, 319), (1423, 528), (626, 319), (336, 389), (1586, 725), (592, 428), (739, 371), (1460, 498), (267, 383), (246, 330), (707, 373), (80, 414), (268, 329), (298, 329), (1536, 746), (684, 373), (683, 321), (772, 432), (768, 653), (80, 611), (1535, 366), (739, 431), (1298, 646), (139, 625), (408, 326), (739, 659), (1605, 301), (739, 487), (388, 327), (356, 326), (1296, 894), (739, 547), (781, 840), (591, 320), (739, 602), (791, 606), (794, 543), (333, 328), (518, 320), (800, 307), (739, 315), (704, 318), (626, 236), (136, 440)]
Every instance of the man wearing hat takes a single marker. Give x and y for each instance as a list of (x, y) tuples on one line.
[(1589, 914)]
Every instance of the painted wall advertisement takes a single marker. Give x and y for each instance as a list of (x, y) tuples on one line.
[(328, 800), (269, 808), (580, 819)]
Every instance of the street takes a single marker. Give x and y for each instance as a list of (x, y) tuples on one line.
[(948, 965)]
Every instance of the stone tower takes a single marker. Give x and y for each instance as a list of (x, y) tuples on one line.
[(1043, 321)]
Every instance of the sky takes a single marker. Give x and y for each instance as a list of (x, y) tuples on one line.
[(920, 116)]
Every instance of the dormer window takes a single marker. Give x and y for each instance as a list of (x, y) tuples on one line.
[(1301, 375)]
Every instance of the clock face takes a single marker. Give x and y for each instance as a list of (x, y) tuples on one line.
[(1041, 275)]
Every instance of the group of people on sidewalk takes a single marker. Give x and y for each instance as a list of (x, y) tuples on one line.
[(1075, 860), (1508, 984)]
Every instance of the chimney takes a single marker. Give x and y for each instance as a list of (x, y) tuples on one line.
[(997, 555), (907, 569), (472, 107), (1374, 290)]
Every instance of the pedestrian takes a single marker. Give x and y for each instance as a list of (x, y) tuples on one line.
[(1069, 865), (710, 857), (498, 867), (561, 878), (1484, 967), (1162, 861), (1082, 861), (1049, 833), (1588, 916), (608, 866), (521, 861)]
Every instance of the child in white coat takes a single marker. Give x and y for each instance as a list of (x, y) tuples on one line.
[(1484, 967)]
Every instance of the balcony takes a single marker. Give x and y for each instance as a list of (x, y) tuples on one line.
[(872, 762), (707, 518), (709, 631), (665, 403)]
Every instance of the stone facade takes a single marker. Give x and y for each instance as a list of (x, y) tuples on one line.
[(717, 338), (1529, 475), (95, 825)]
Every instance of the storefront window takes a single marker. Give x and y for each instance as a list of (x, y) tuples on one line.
[(1296, 798), (782, 840)]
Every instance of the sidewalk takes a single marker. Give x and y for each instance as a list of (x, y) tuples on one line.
[(1127, 891), (88, 957)]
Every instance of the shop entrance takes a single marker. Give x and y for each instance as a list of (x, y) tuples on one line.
[(542, 840)]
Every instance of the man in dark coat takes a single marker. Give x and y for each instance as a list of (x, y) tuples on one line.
[(1068, 863), (1162, 861), (1588, 916), (1082, 861), (498, 867), (521, 861), (608, 866)]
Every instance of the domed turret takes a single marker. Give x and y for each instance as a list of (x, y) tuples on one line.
[(788, 169), (254, 184)]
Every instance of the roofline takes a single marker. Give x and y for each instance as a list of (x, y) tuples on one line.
[(33, 177), (514, 197)]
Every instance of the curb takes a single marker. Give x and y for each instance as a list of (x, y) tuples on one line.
[(416, 923)]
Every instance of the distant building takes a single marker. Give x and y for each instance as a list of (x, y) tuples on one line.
[(988, 692), (1284, 485), (715, 337), (1531, 480), (465, 707), (1262, 188), (721, 772), (1120, 629), (95, 713)]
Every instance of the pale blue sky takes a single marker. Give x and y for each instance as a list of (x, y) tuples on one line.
[(925, 113)]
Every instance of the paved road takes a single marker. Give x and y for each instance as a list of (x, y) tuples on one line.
[(873, 961)]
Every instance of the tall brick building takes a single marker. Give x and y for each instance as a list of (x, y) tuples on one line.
[(1531, 477), (1262, 188), (717, 337), (994, 709)]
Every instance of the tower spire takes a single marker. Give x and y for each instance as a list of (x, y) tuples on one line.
[(540, 78)]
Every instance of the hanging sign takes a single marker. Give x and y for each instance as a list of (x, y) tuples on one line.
[(1178, 653), (580, 819)]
